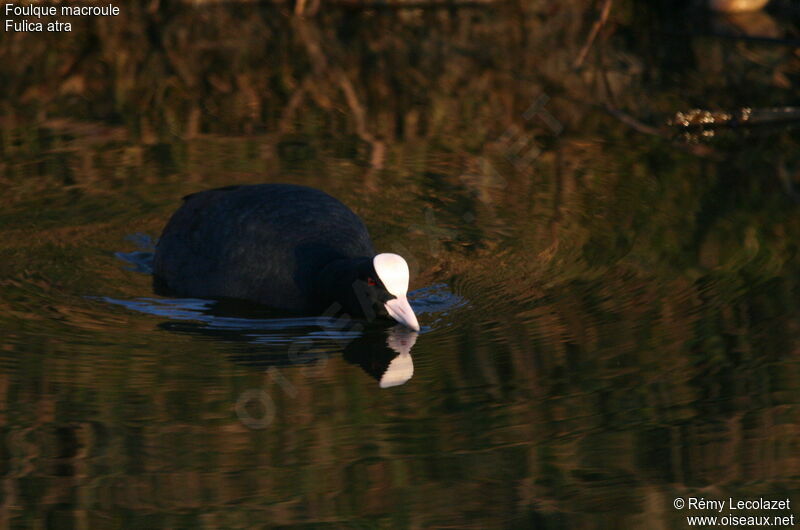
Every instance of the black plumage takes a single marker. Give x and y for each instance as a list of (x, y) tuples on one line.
[(288, 247)]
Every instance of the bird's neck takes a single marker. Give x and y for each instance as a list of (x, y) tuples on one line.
[(334, 284)]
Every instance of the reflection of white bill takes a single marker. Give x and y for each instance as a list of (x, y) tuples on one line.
[(401, 368)]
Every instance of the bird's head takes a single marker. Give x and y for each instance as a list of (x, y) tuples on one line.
[(381, 287)]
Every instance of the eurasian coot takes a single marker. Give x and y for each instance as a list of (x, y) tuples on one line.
[(288, 247)]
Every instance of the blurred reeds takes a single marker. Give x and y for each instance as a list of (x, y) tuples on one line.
[(419, 108)]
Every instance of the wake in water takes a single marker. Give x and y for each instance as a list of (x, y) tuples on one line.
[(139, 260), (270, 338)]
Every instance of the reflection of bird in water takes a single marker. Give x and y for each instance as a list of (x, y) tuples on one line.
[(391, 363), (265, 341), (737, 6)]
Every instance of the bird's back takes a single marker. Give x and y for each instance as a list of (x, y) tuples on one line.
[(262, 243)]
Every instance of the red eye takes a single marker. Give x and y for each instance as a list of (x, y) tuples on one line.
[(371, 281)]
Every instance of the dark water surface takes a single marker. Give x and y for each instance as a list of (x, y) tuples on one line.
[(610, 307)]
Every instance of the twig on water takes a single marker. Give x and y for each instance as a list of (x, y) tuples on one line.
[(636, 125), (633, 123)]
